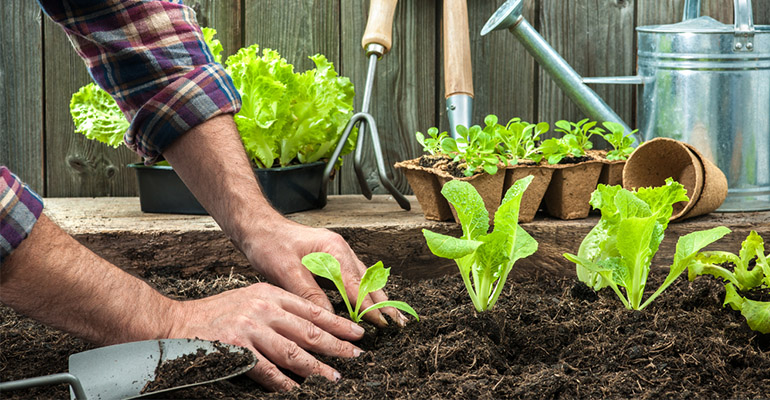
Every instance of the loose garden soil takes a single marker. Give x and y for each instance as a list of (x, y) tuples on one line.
[(546, 338)]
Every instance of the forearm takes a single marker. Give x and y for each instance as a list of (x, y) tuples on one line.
[(57, 281), (212, 162)]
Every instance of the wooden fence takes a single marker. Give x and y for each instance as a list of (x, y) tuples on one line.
[(40, 71)]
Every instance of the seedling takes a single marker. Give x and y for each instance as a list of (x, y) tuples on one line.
[(374, 279), (617, 138), (520, 139), (431, 144), (742, 278), (619, 249), (484, 259), (476, 147)]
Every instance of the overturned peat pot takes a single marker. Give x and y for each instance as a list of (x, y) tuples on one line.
[(546, 338)]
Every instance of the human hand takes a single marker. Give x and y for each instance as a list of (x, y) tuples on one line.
[(278, 327), (280, 261)]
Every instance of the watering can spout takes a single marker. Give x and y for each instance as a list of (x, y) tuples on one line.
[(509, 16)]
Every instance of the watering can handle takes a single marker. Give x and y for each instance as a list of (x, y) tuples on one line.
[(744, 26), (458, 77), (378, 36), (691, 9), (744, 22)]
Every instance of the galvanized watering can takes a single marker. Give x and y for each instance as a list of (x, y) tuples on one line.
[(704, 82)]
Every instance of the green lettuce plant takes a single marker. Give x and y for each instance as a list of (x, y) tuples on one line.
[(374, 279), (743, 277), (618, 251), (290, 117), (485, 259)]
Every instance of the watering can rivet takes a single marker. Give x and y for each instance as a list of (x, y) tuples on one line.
[(738, 46), (749, 46)]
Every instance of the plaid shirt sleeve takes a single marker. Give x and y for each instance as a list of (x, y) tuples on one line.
[(151, 57), (20, 208)]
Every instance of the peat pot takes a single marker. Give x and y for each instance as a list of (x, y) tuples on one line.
[(289, 189)]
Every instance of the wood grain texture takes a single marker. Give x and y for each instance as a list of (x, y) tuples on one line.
[(225, 17), (76, 166), (21, 92), (596, 37), (404, 90), (297, 29), (655, 12)]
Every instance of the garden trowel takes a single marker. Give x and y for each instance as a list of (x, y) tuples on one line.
[(121, 371)]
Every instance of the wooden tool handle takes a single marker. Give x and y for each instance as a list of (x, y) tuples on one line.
[(379, 26), (458, 76)]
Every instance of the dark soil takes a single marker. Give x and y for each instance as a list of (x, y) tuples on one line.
[(546, 338), (444, 163), (575, 160), (201, 366)]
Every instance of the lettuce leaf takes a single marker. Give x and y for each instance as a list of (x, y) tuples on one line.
[(97, 116), (289, 117)]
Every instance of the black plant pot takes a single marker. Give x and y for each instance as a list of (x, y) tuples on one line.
[(289, 189)]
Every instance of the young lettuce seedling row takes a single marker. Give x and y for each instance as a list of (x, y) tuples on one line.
[(374, 279)]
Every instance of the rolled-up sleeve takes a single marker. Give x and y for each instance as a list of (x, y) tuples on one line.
[(20, 208), (151, 57)]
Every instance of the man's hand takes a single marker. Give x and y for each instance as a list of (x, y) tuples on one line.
[(279, 327), (280, 262), (211, 161)]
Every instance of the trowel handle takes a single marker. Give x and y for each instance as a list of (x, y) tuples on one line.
[(379, 25), (54, 379), (458, 77)]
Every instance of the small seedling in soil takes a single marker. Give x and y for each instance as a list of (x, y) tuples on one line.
[(619, 249), (520, 140), (742, 280), (374, 279), (484, 259)]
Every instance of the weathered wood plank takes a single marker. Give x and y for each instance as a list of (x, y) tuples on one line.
[(225, 17), (296, 29), (503, 73), (596, 37), (404, 92), (654, 12), (21, 92), (76, 166), (378, 230)]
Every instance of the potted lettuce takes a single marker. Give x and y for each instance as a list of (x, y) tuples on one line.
[(289, 123)]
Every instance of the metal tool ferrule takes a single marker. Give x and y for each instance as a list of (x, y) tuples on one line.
[(459, 110)]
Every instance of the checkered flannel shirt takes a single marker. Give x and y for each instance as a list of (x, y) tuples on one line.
[(151, 57)]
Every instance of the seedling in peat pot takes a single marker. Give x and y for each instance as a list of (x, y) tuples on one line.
[(431, 144), (484, 259), (618, 139), (374, 279), (619, 249)]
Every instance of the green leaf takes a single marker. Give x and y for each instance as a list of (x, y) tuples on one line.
[(326, 266), (97, 116), (471, 212), (214, 45), (374, 279), (449, 247), (634, 245), (732, 298), (392, 303), (757, 314)]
